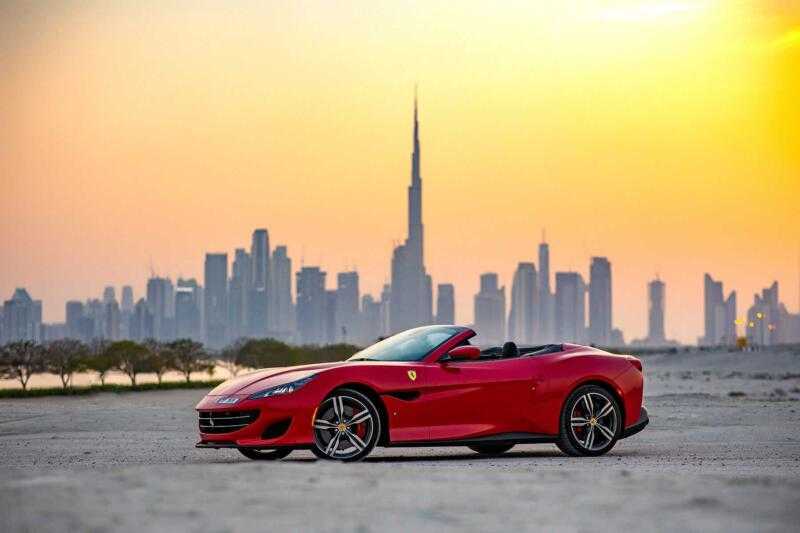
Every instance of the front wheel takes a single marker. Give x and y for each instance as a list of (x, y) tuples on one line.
[(591, 422), (346, 427), (491, 449), (265, 455)]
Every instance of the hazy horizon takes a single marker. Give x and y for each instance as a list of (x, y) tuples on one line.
[(664, 136)]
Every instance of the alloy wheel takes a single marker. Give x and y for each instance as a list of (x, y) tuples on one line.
[(345, 427), (593, 421)]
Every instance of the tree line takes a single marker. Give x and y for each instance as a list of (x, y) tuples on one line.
[(64, 358)]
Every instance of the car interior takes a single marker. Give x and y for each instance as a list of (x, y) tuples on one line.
[(510, 350)]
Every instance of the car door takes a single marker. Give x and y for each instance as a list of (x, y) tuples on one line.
[(467, 399)]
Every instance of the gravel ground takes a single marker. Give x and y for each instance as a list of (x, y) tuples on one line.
[(709, 461)]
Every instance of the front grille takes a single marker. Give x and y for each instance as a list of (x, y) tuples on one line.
[(225, 421)]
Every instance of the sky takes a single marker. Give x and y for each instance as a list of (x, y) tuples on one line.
[(136, 136)]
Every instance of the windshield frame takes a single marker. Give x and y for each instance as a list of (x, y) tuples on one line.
[(388, 344)]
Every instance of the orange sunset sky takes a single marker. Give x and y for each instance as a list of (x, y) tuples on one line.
[(663, 135)]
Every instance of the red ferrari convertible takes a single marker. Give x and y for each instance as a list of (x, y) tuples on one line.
[(429, 386)]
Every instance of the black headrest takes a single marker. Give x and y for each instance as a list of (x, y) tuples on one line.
[(510, 350)]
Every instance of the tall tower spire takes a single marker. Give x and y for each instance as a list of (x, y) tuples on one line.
[(415, 189)]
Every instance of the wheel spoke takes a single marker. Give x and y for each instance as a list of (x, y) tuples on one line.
[(333, 444), (588, 402), (323, 424), (589, 438), (338, 407), (356, 440), (605, 410), (605, 431), (578, 421), (360, 417)]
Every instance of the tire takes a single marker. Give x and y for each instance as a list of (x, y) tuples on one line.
[(589, 428), (265, 455), (351, 418), (491, 449)]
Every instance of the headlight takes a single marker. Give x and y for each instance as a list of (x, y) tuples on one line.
[(278, 390)]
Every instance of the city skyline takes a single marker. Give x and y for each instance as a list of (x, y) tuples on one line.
[(113, 159)]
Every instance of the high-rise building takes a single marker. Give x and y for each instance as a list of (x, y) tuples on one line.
[(238, 294), (720, 314), (523, 318), (330, 317), (216, 300), (160, 294), (600, 319), (347, 308), (127, 299), (655, 313), (22, 318), (141, 327), (282, 309), (259, 299), (570, 307), (411, 286), (311, 305), (74, 315), (445, 303), (188, 298), (546, 331), (490, 311), (370, 328), (109, 295)]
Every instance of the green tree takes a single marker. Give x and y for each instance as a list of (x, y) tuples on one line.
[(20, 360), (100, 359), (230, 357), (189, 356), (129, 358), (64, 357), (159, 358)]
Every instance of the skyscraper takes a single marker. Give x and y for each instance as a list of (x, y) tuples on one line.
[(411, 286), (74, 314), (188, 296), (109, 294), (22, 318), (523, 318), (311, 306), (570, 307), (127, 299), (347, 307), (258, 311), (239, 293), (546, 309), (216, 299), (281, 309), (160, 294), (655, 315), (445, 304), (490, 311), (600, 319), (720, 314)]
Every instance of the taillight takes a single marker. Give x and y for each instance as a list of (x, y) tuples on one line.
[(635, 362)]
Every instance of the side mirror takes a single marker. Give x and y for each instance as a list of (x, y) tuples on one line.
[(464, 353)]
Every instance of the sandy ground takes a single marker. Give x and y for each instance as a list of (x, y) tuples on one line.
[(709, 461)]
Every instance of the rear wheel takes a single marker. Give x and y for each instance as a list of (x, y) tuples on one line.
[(591, 422), (491, 449), (265, 455), (346, 426)]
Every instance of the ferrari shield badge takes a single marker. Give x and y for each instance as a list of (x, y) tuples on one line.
[(412, 375)]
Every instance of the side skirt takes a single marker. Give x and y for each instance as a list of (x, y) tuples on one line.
[(500, 438)]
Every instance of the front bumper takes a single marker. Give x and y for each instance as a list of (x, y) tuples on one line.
[(281, 422), (640, 424)]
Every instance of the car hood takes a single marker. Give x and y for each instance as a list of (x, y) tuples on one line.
[(270, 377)]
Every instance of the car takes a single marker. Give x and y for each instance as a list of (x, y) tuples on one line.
[(429, 386)]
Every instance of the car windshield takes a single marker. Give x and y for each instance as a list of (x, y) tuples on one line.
[(411, 345)]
